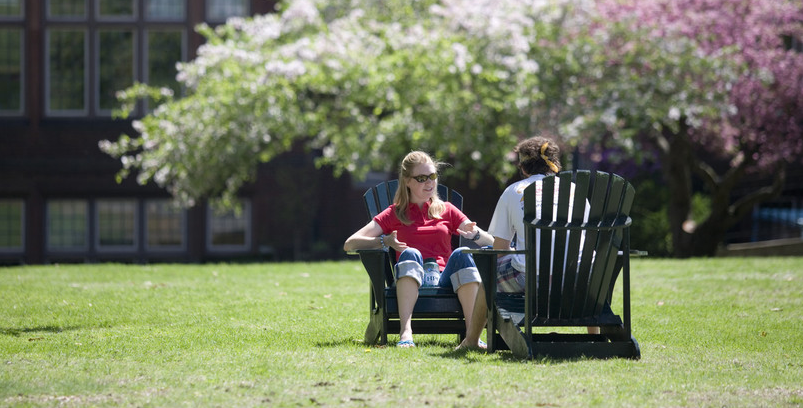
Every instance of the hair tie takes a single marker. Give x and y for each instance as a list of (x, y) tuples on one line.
[(551, 165)]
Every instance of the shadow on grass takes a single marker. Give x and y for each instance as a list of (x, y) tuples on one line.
[(507, 356), (473, 354), (17, 332), (450, 352), (345, 341), (354, 342)]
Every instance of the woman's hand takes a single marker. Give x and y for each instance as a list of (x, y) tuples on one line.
[(471, 232), (392, 241), (468, 230)]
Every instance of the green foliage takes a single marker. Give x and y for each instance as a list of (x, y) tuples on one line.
[(362, 83), (650, 229), (290, 335), (366, 82), (636, 85)]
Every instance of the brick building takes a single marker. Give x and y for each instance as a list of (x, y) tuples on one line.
[(61, 62)]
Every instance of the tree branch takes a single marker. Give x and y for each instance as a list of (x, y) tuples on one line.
[(744, 205), (707, 173)]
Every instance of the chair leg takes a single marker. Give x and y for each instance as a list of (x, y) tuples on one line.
[(513, 337), (374, 329), (490, 330), (615, 333), (383, 334)]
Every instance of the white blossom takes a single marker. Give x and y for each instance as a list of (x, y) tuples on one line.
[(290, 70), (298, 14), (674, 113), (460, 56)]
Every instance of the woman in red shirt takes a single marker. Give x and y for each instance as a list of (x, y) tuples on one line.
[(420, 225)]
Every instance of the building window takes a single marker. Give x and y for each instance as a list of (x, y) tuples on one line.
[(66, 71), (116, 9), (12, 219), (117, 220), (69, 9), (229, 230), (96, 48), (11, 8), (164, 48), (220, 10), (11, 70), (67, 225), (116, 66), (164, 225), (165, 10)]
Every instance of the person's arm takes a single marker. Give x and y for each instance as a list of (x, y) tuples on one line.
[(366, 237), (370, 237), (501, 244), (470, 230)]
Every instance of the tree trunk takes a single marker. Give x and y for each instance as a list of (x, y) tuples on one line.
[(678, 165), (709, 235)]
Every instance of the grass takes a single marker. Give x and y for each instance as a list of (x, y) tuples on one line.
[(713, 332)]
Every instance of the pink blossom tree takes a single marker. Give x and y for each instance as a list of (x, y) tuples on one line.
[(761, 133)]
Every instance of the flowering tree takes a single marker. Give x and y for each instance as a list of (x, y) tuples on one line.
[(760, 133), (366, 82)]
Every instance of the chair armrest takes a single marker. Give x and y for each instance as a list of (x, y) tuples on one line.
[(494, 251), (364, 251), (634, 253)]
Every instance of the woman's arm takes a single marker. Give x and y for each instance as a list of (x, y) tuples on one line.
[(501, 244), (366, 237), (370, 237), (469, 229)]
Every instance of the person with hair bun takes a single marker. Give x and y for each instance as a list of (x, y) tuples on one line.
[(538, 157), (419, 225)]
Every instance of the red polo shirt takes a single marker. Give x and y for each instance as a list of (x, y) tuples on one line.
[(432, 237)]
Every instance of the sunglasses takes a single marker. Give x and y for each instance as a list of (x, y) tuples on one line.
[(424, 177)]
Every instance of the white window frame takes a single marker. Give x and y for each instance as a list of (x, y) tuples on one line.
[(67, 112), (51, 17), (146, 57), (21, 17), (145, 16), (21, 248), (117, 19), (134, 44), (164, 248), (209, 6), (77, 249), (247, 216), (134, 239), (21, 110)]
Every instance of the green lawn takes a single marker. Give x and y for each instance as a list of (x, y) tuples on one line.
[(713, 333)]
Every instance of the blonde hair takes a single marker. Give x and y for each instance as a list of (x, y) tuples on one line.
[(402, 198)]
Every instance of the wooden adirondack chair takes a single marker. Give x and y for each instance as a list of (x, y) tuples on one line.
[(574, 287), (437, 311)]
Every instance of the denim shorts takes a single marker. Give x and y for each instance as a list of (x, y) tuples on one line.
[(460, 268)]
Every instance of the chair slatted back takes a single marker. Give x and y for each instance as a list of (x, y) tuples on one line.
[(576, 280)]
